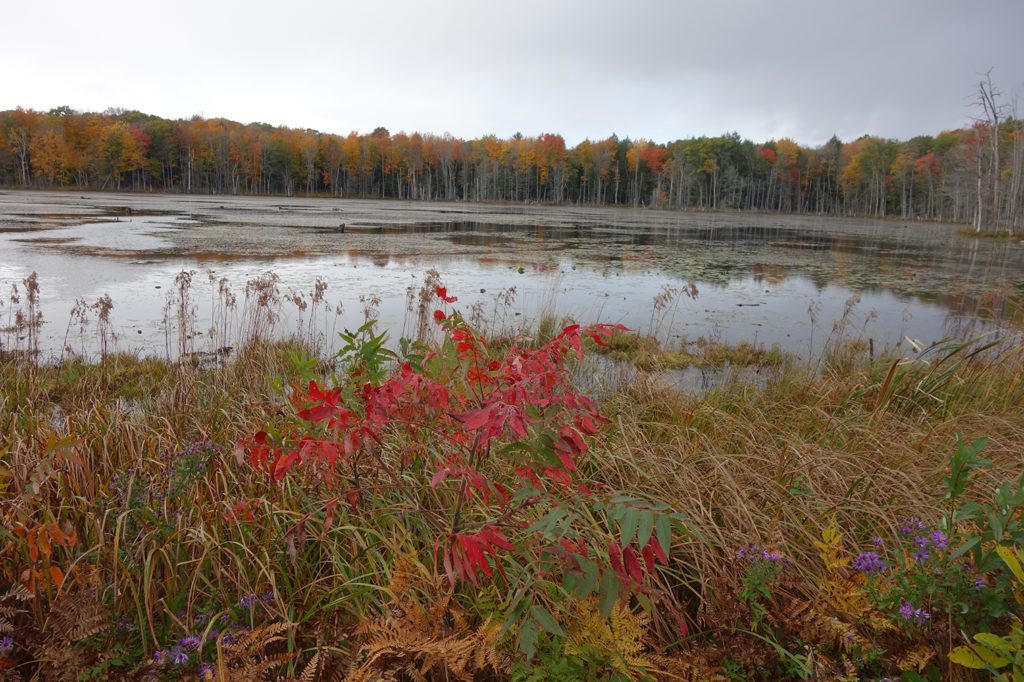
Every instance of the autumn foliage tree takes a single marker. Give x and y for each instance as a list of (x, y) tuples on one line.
[(965, 175)]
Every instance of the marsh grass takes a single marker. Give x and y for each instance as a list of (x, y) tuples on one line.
[(646, 352), (128, 478)]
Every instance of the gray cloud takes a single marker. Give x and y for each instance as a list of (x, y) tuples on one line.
[(656, 69)]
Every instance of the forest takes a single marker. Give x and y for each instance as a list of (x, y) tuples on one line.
[(971, 175)]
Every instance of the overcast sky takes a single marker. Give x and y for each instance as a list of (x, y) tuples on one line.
[(657, 69)]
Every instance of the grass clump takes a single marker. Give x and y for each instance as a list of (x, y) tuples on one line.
[(647, 353), (455, 509)]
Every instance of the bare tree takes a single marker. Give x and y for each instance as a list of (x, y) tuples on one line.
[(988, 101)]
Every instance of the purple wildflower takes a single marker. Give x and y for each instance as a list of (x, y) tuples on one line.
[(751, 552), (939, 538), (190, 642), (877, 541), (921, 541), (207, 668), (912, 524), (179, 657), (6, 644), (980, 583), (160, 656), (247, 601), (868, 562), (922, 556), (908, 612)]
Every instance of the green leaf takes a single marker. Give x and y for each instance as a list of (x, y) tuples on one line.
[(995, 522), (643, 532), (965, 547), (967, 512), (549, 520), (630, 520), (547, 621), (516, 609), (591, 574), (608, 593), (663, 530), (528, 639)]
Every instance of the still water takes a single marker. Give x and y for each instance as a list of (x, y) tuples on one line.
[(791, 281)]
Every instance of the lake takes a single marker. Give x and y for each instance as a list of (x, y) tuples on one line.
[(791, 281)]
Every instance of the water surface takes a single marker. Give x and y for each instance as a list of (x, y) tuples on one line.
[(793, 281)]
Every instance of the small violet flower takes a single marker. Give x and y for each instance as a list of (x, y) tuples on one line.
[(191, 642), (6, 644), (908, 612), (939, 538), (868, 562)]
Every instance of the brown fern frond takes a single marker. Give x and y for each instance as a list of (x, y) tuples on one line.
[(256, 640), (917, 658), (17, 592), (314, 668), (76, 615), (417, 652), (9, 605), (687, 666)]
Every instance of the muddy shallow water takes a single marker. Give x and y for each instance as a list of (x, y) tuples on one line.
[(787, 280)]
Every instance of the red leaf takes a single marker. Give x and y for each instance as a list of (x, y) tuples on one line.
[(558, 475), (317, 413), (586, 425), (442, 293), (472, 421), (632, 565), (476, 555), (497, 538), (439, 476), (565, 457), (352, 495), (648, 554), (615, 558)]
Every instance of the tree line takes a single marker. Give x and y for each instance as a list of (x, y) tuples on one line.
[(971, 175)]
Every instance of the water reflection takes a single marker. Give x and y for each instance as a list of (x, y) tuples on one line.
[(767, 279)]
